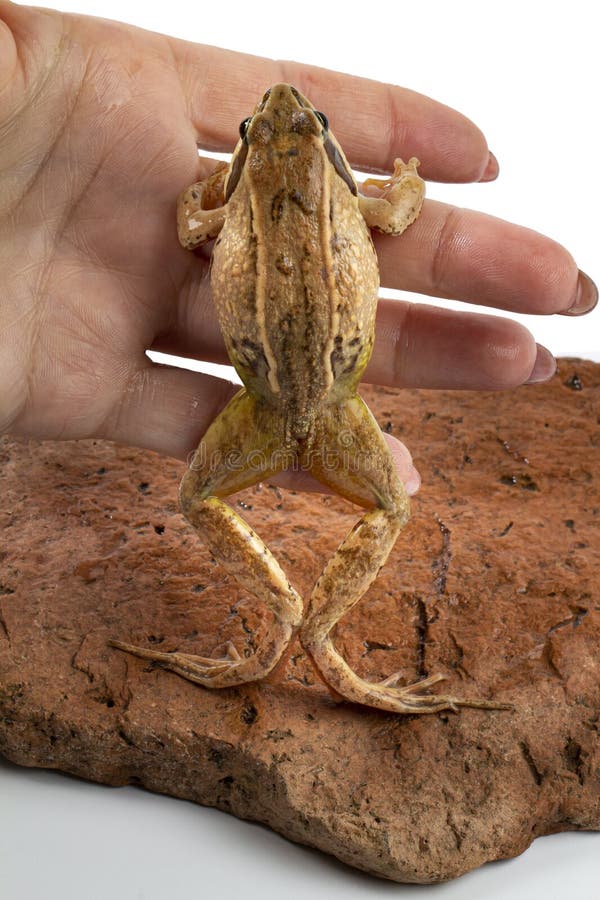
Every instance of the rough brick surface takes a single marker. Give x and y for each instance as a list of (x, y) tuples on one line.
[(494, 583)]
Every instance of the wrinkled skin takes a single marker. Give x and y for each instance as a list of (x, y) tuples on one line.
[(98, 124)]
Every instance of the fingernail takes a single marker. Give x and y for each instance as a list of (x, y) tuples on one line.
[(586, 296), (414, 482), (491, 170), (544, 366)]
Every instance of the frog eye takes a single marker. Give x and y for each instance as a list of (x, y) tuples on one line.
[(322, 119), (244, 127)]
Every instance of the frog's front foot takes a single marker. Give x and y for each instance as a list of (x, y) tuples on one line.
[(392, 204), (212, 672)]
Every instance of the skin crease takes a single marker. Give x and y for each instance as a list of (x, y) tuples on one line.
[(98, 130)]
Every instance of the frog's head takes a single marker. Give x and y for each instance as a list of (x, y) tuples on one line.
[(282, 116), (284, 122)]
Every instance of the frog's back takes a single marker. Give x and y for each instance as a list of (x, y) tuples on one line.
[(295, 279)]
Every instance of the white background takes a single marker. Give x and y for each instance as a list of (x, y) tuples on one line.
[(527, 73)]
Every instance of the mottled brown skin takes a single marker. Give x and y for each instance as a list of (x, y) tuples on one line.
[(295, 282)]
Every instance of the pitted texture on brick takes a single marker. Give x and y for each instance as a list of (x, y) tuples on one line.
[(494, 582)]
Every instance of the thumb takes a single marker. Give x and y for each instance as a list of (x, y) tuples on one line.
[(8, 48)]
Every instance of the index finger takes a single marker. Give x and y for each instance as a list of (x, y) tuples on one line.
[(374, 122)]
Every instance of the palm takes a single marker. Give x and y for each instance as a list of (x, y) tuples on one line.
[(98, 124), (111, 275)]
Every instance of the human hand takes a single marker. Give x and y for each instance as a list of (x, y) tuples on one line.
[(98, 130)]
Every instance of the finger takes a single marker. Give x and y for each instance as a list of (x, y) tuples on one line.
[(428, 347), (374, 122), (415, 345), (8, 50), (166, 409), (465, 255), (304, 481)]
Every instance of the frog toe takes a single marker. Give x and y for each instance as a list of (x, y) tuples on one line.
[(203, 668), (417, 698), (208, 671)]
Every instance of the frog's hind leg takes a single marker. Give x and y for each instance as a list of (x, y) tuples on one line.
[(351, 457), (239, 449)]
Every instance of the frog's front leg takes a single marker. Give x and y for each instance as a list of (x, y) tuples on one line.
[(351, 457), (392, 204), (201, 209), (237, 451)]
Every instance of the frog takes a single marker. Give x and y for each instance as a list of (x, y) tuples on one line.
[(295, 282)]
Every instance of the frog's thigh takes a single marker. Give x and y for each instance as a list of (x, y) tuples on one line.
[(236, 452), (353, 459), (239, 449)]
